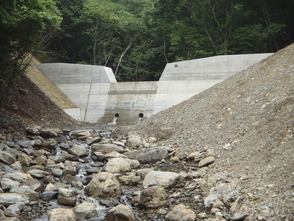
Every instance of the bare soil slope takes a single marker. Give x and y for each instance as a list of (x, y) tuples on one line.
[(27, 105), (248, 123)]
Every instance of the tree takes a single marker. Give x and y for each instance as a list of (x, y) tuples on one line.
[(23, 25)]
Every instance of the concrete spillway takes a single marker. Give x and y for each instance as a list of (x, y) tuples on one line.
[(98, 96)]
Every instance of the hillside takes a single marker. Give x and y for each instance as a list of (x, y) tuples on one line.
[(27, 105), (247, 123)]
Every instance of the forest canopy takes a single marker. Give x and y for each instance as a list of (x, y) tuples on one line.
[(136, 38)]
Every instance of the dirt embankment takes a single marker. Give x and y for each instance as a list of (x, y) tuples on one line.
[(247, 121), (27, 105)]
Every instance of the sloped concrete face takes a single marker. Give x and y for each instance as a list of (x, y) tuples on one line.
[(212, 68), (100, 98), (61, 73)]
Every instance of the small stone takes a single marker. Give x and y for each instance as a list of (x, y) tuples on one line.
[(202, 215), (57, 172), (194, 155)]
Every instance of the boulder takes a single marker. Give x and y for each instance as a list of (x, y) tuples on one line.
[(26, 143), (114, 154), (57, 172), (85, 210), (35, 130), (134, 141), (49, 143), (180, 213), (24, 159), (129, 179), (103, 184), (120, 213), (92, 140), (133, 163), (153, 197), (16, 166), (7, 199), (212, 200), (50, 132), (227, 192), (49, 195), (7, 157), (16, 208), (37, 173), (164, 179), (143, 172), (62, 214), (83, 135), (7, 184), (206, 161), (107, 148), (117, 165), (79, 150), (148, 155), (66, 197), (19, 176)]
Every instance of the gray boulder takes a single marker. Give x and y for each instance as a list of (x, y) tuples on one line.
[(79, 150), (153, 197), (103, 184), (7, 157), (7, 184), (66, 197), (120, 213), (107, 148), (148, 155), (164, 179), (180, 213), (117, 165), (85, 210), (62, 214), (7, 199)]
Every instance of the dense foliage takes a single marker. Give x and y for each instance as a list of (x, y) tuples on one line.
[(136, 38), (25, 25)]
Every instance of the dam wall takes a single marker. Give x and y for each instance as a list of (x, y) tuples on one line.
[(99, 96)]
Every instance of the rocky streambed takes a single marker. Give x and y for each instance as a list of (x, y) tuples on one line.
[(90, 174)]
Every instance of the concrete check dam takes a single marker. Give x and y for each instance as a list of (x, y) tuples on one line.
[(101, 99)]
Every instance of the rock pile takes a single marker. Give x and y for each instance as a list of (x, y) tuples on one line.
[(89, 174)]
